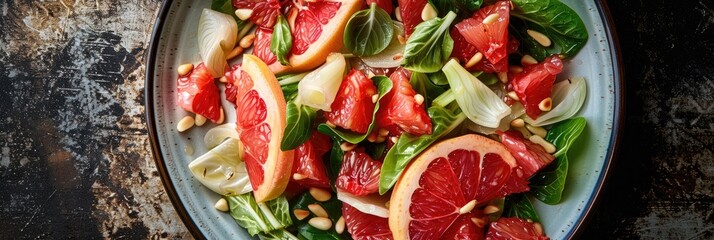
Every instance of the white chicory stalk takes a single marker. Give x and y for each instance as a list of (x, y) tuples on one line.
[(373, 204), (319, 87), (568, 97), (391, 56), (478, 102), (217, 35), (222, 170)]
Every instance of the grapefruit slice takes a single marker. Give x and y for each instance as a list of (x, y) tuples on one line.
[(260, 109), (443, 184), (515, 228)]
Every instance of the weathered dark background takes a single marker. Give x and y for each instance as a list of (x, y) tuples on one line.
[(75, 160)]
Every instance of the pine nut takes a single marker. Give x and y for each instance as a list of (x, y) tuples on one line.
[(221, 205), (518, 123), (527, 60), (491, 209), (185, 69), (222, 117), (223, 79), (235, 52), (383, 132), (549, 148), (301, 214), (515, 69), (247, 41), (538, 229), (467, 207), (372, 137), (298, 176), (428, 12), (491, 18), (513, 95), (330, 124), (398, 14), (541, 38), (320, 195), (401, 39), (419, 99), (394, 139), (321, 223), (479, 222), (317, 210), (546, 104), (346, 147), (474, 60), (380, 139), (244, 13), (537, 130), (185, 123), (340, 225), (375, 97), (503, 77), (200, 120)]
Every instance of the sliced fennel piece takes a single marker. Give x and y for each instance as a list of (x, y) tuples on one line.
[(517, 111), (386, 59), (222, 170), (217, 35), (371, 204), (478, 102), (568, 97), (319, 87), (216, 135)]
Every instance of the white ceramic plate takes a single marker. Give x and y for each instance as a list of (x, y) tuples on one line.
[(174, 43)]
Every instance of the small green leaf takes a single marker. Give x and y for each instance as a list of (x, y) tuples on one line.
[(333, 207), (554, 19), (518, 205), (408, 147), (369, 31), (430, 45), (426, 87), (384, 85), (336, 156), (282, 41), (289, 85), (462, 7), (298, 125), (259, 217)]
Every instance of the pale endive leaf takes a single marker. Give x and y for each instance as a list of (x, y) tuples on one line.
[(319, 87), (388, 58), (517, 111), (478, 102), (222, 170), (568, 97), (216, 135), (217, 35)]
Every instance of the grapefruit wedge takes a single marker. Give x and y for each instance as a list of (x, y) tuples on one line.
[(260, 109), (446, 182)]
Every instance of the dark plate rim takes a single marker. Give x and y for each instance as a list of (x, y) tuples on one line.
[(576, 231)]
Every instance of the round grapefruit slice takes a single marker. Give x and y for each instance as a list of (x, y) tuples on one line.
[(260, 108), (445, 182)]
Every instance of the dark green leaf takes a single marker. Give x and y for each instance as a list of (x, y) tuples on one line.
[(548, 184), (462, 7), (554, 19), (336, 156), (282, 41), (486, 78), (290, 91), (226, 6), (430, 45), (369, 31), (424, 86), (408, 147), (384, 85), (308, 232), (333, 207), (254, 216), (298, 125), (438, 78), (518, 205), (289, 85)]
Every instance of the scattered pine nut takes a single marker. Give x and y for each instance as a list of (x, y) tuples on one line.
[(537, 130), (527, 60), (401, 39), (541, 38), (185, 123), (321, 223), (235, 52), (513, 95), (419, 99), (549, 148), (518, 123), (479, 222), (345, 146), (398, 14), (221, 205), (383, 132), (244, 13), (428, 12), (200, 120), (185, 69), (340, 225), (380, 139), (298, 176), (467, 207), (317, 210), (491, 209), (375, 97), (526, 134), (372, 137), (223, 79), (319, 194), (301, 214), (538, 229), (474, 60), (503, 76), (394, 139), (491, 18), (222, 117), (247, 41), (515, 69), (546, 104)]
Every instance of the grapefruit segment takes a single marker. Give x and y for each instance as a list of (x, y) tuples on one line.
[(198, 93), (260, 130), (365, 226)]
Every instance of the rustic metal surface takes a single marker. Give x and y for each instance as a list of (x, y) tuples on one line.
[(75, 161)]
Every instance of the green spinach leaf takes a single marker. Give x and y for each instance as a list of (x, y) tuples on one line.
[(259, 217), (548, 184), (554, 19), (369, 31), (289, 85), (462, 7), (408, 147), (430, 45), (384, 85), (426, 87), (282, 40), (281, 234), (298, 125), (336, 158), (518, 205), (333, 207)]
